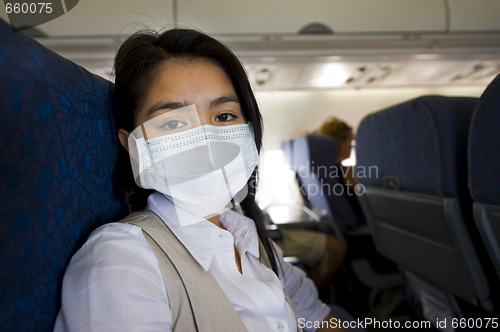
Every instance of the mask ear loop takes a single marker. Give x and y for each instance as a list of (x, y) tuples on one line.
[(135, 161), (249, 123)]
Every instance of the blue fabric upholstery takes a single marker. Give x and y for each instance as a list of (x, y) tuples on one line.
[(314, 161), (421, 145), (484, 170), (287, 149), (484, 147), (301, 163), (58, 152)]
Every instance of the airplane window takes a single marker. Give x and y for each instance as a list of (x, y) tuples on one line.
[(351, 161), (276, 181)]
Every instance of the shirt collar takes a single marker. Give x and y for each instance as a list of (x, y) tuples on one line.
[(243, 230), (189, 229)]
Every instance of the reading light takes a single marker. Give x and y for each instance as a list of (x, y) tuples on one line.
[(332, 75)]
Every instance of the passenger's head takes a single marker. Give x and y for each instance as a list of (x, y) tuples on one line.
[(147, 59), (342, 133), (184, 67)]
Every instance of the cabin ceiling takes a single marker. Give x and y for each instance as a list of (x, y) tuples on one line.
[(277, 63), (372, 61), (331, 44)]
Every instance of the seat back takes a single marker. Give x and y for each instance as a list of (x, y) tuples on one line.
[(300, 163), (58, 152), (314, 161), (287, 149), (484, 168), (418, 203)]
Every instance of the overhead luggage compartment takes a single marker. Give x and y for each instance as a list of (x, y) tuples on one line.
[(291, 16), (240, 18), (474, 16), (105, 18)]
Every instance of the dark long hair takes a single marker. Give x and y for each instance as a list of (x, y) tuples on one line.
[(137, 65)]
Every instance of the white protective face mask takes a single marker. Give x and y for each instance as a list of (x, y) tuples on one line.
[(199, 169)]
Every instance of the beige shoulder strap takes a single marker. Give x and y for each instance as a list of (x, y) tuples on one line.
[(196, 299)]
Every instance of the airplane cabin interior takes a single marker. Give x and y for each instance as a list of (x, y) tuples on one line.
[(413, 201)]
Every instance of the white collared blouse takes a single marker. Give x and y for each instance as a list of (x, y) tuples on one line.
[(113, 282)]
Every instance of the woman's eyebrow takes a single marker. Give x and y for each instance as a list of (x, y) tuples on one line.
[(223, 100), (164, 105)]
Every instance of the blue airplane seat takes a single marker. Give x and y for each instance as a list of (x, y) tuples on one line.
[(416, 197), (286, 148), (58, 152), (484, 169), (364, 272), (314, 162)]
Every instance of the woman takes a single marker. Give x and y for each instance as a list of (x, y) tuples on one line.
[(183, 106)]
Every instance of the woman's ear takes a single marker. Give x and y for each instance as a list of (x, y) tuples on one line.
[(123, 136)]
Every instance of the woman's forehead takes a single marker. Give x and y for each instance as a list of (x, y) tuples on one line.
[(200, 82), (197, 79)]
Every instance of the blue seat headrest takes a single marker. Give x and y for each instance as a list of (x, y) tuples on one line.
[(287, 149), (419, 145), (312, 151), (58, 152), (484, 147), (323, 149)]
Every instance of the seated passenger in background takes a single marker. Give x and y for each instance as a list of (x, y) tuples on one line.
[(344, 135), (321, 253)]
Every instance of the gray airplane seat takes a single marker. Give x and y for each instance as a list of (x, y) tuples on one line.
[(286, 147), (314, 162), (417, 202), (484, 169), (320, 183)]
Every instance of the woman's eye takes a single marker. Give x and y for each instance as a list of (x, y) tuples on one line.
[(174, 124), (224, 117)]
